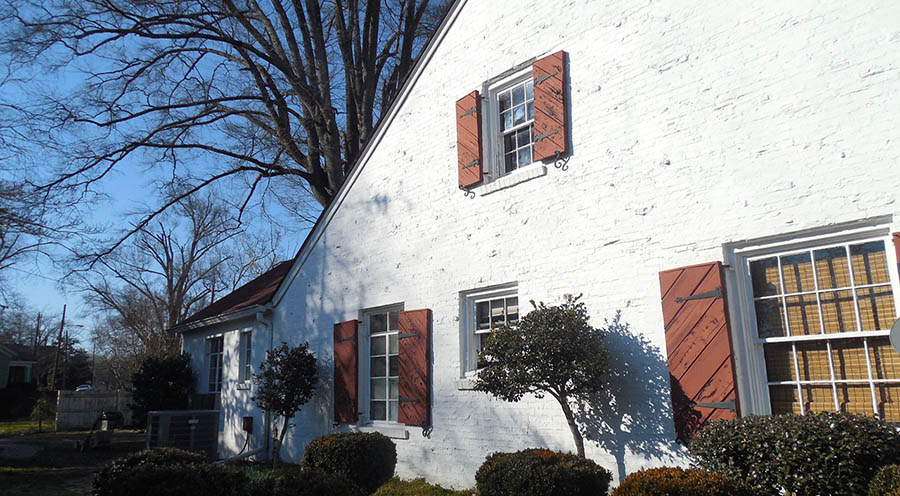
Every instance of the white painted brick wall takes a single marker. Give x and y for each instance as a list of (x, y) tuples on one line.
[(694, 124)]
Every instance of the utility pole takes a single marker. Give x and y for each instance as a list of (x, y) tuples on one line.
[(37, 336), (62, 324)]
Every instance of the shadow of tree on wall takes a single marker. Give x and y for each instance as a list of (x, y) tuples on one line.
[(634, 414)]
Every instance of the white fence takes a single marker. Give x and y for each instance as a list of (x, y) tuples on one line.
[(79, 410)]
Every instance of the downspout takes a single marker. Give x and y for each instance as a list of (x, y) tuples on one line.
[(264, 318)]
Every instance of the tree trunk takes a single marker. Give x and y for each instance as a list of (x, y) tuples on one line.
[(570, 418), (277, 443)]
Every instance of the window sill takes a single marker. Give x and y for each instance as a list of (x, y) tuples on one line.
[(389, 431), (245, 385), (520, 176)]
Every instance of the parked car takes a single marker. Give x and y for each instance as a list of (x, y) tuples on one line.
[(84, 387)]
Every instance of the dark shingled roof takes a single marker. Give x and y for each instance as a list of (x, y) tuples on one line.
[(20, 352), (256, 292)]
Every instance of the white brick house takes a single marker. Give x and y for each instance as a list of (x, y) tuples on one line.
[(764, 136)]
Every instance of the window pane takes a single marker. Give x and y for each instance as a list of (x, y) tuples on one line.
[(764, 274), (849, 359), (798, 274), (504, 101), (394, 410), (529, 90), (377, 323), (395, 389), (378, 345), (779, 362), (803, 315), (519, 115), (394, 344), (525, 156), (818, 398), (482, 315), (869, 263), (854, 398), (530, 112), (876, 308), (394, 368), (832, 270), (378, 389), (770, 318), (523, 137), (506, 120), (378, 411), (888, 398), (838, 311), (392, 321), (497, 316), (813, 361), (378, 368), (784, 399), (510, 162), (518, 95), (509, 142), (884, 358), (512, 310)]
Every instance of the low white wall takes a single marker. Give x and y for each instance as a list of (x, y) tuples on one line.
[(79, 410)]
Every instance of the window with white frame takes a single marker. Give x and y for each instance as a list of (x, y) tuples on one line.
[(510, 124), (483, 312), (382, 367), (822, 313), (246, 357), (214, 357)]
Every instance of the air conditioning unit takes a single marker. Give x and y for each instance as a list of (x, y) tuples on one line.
[(191, 430)]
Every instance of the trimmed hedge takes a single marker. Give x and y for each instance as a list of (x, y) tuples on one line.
[(817, 453), (366, 459), (675, 481), (167, 472), (416, 487), (886, 482), (315, 483), (540, 472)]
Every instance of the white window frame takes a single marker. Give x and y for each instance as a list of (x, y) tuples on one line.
[(750, 367), (468, 322), (364, 366), (245, 360), (494, 177), (220, 363)]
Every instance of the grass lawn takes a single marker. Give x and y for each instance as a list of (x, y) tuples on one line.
[(59, 468), (20, 427)]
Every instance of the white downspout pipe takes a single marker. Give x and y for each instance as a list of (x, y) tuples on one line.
[(263, 317)]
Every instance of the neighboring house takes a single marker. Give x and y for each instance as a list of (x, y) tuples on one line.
[(16, 363), (726, 178)]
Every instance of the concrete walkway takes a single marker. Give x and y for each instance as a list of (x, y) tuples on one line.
[(17, 451)]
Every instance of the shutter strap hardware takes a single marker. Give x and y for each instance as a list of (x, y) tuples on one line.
[(468, 112), (542, 136), (467, 192), (545, 77), (407, 400), (716, 293), (471, 164), (348, 338), (720, 405), (408, 335)]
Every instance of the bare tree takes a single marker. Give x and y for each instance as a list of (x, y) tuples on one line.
[(164, 274), (267, 88)]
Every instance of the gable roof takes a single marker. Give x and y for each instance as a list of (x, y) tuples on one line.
[(18, 352), (259, 291)]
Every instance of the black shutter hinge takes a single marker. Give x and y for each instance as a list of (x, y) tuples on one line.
[(407, 400), (471, 164), (545, 77), (543, 136), (469, 112), (408, 335), (719, 405), (716, 293), (348, 338)]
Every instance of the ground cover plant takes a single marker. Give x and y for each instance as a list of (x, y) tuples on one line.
[(817, 453), (540, 472), (417, 487), (886, 482), (676, 481)]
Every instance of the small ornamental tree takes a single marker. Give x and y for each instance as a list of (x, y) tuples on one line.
[(552, 350), (161, 383), (285, 382)]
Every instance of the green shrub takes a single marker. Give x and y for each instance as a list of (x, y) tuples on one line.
[(674, 481), (886, 481), (367, 459), (315, 483), (262, 478), (540, 472), (817, 453), (416, 487), (167, 472)]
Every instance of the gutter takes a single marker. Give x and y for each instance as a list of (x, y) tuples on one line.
[(218, 319)]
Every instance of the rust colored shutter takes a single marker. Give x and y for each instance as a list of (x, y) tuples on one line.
[(345, 372), (897, 246), (698, 346), (468, 139), (550, 133), (415, 367)]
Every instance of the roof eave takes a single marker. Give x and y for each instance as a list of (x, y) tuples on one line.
[(218, 319)]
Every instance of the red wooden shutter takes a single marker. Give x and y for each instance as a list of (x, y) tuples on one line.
[(698, 344), (550, 120), (897, 246), (345, 372), (415, 367), (468, 139)]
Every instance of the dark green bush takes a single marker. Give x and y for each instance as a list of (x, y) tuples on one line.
[(416, 487), (367, 459), (886, 482), (167, 472), (674, 481), (315, 483), (817, 453), (540, 472), (262, 478)]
